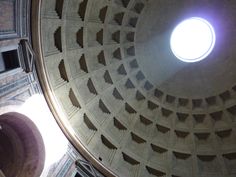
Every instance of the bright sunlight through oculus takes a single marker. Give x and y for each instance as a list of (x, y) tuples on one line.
[(192, 40)]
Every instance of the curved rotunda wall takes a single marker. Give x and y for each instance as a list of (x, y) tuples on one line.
[(122, 117)]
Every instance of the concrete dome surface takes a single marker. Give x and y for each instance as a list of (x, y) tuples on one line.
[(123, 97)]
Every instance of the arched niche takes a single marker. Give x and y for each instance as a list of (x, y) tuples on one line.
[(22, 151)]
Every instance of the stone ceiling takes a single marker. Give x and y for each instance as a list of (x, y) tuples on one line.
[(131, 104)]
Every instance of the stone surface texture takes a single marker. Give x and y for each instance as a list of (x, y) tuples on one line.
[(136, 108)]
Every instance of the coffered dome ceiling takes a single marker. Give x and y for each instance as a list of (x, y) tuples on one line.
[(137, 109)]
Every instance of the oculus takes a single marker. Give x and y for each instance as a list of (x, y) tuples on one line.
[(193, 39)]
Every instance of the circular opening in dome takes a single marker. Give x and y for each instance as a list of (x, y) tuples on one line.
[(193, 39)]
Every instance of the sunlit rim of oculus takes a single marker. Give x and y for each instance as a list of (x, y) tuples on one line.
[(193, 39)]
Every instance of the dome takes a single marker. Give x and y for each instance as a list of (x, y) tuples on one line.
[(124, 99)]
